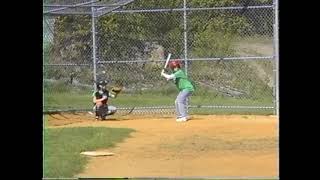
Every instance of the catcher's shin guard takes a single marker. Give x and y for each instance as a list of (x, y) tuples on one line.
[(95, 109), (99, 111), (103, 111), (111, 110)]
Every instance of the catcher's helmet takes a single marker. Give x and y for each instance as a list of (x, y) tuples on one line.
[(102, 84), (175, 63)]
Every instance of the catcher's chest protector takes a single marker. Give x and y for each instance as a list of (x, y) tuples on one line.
[(100, 94)]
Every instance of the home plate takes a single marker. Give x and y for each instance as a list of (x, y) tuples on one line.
[(97, 153)]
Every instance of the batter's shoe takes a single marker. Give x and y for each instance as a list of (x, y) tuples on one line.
[(182, 119)]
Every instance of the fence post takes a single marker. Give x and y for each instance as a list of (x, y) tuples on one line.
[(276, 70), (93, 26), (276, 57), (185, 35), (185, 42)]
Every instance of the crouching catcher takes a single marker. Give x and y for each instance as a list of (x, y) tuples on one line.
[(100, 100)]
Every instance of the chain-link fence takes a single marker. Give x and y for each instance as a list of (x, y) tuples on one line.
[(228, 49)]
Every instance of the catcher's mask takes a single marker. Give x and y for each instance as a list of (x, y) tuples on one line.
[(175, 64), (102, 85)]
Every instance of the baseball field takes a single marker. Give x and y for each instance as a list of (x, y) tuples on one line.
[(158, 146), (228, 50)]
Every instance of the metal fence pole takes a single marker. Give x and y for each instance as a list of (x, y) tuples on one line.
[(93, 26), (276, 57), (277, 53), (185, 42), (185, 35)]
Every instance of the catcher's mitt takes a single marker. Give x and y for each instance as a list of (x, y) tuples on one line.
[(116, 90)]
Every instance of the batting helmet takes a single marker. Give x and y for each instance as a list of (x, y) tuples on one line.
[(175, 64)]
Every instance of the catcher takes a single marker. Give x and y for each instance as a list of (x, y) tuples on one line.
[(185, 87), (100, 100)]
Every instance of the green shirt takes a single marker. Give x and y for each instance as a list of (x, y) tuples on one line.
[(182, 82)]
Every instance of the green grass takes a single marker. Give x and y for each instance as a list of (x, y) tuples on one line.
[(72, 100), (45, 120), (84, 100), (66, 99), (62, 147), (216, 111)]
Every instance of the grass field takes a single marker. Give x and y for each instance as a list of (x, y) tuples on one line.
[(62, 147), (79, 100)]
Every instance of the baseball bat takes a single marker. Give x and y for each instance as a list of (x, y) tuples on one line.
[(167, 61)]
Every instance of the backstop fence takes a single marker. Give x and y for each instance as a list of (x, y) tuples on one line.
[(228, 48)]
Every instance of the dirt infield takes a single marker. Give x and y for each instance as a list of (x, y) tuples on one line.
[(207, 145)]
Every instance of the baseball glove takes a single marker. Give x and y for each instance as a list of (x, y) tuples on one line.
[(116, 90)]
